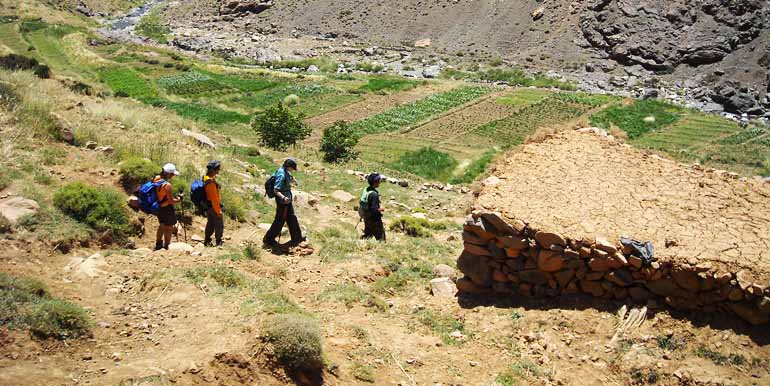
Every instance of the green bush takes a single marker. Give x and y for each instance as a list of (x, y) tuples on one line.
[(428, 163), (295, 340), (102, 209), (153, 26), (26, 303), (291, 100), (338, 143), (279, 128), (14, 62), (411, 226), (136, 171), (58, 319), (223, 276)]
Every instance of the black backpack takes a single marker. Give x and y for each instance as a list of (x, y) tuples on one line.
[(270, 187)]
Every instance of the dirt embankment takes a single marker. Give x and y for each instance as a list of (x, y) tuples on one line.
[(567, 202)]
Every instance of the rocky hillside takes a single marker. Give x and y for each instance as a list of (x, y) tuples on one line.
[(608, 44)]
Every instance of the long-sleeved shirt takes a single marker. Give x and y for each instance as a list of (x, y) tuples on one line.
[(212, 194), (283, 182)]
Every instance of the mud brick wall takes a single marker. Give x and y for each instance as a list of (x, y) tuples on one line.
[(512, 258)]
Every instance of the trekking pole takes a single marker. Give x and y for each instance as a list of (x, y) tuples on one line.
[(184, 225)]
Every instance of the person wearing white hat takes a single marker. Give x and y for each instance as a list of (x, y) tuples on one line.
[(167, 200)]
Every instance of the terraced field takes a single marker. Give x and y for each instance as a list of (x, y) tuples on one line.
[(691, 133)]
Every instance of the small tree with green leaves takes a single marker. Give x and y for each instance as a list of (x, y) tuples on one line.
[(279, 128), (338, 143)]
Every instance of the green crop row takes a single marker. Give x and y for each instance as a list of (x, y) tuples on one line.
[(404, 116)]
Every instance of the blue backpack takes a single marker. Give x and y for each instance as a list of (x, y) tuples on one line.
[(198, 194), (148, 197)]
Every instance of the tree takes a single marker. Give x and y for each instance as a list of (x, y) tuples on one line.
[(279, 128), (338, 143)]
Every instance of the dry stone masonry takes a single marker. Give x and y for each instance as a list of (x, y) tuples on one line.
[(511, 257), (550, 224)]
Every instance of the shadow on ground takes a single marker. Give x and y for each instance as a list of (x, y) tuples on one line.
[(718, 321)]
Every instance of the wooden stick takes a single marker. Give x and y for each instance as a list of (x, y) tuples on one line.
[(402, 369), (161, 294)]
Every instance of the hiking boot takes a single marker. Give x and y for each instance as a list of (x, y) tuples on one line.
[(269, 243), (207, 243), (158, 245), (220, 243)]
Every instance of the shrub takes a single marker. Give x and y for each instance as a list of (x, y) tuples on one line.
[(279, 128), (14, 62), (58, 319), (363, 372), (291, 100), (427, 162), (295, 340), (411, 226), (26, 303), (5, 181), (338, 143), (101, 209), (136, 171), (224, 276)]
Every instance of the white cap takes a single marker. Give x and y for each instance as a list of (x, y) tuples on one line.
[(170, 169)]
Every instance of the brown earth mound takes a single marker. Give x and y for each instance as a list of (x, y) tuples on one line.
[(550, 223), (588, 185)]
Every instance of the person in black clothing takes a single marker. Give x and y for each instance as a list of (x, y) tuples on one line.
[(284, 210), (370, 210)]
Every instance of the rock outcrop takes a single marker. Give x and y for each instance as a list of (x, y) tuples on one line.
[(244, 6), (661, 35)]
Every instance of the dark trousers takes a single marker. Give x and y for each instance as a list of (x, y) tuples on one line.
[(215, 225), (284, 214), (373, 227)]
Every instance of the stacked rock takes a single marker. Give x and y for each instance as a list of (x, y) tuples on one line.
[(511, 257)]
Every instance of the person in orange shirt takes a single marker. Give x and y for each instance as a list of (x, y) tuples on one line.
[(167, 200), (215, 223)]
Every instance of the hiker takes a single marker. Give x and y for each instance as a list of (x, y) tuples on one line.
[(215, 223), (284, 210), (167, 200), (370, 210)]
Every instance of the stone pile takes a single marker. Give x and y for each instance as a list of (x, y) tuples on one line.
[(513, 258)]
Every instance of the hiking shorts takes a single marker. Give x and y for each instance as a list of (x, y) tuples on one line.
[(167, 215)]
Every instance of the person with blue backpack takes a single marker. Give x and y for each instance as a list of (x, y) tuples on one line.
[(279, 187), (165, 201)]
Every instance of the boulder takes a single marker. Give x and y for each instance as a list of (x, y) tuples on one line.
[(498, 223), (547, 239), (662, 287), (534, 276), (444, 271), (313, 68), (431, 72), (763, 305), (599, 264), (564, 277), (639, 294), (620, 277), (64, 129), (422, 43), (265, 55), (550, 261), (181, 247), (343, 196), (200, 138), (443, 287), (686, 279), (232, 7), (15, 208), (475, 268), (87, 267), (592, 287), (538, 13)]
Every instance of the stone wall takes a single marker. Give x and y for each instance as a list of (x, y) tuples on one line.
[(508, 257)]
